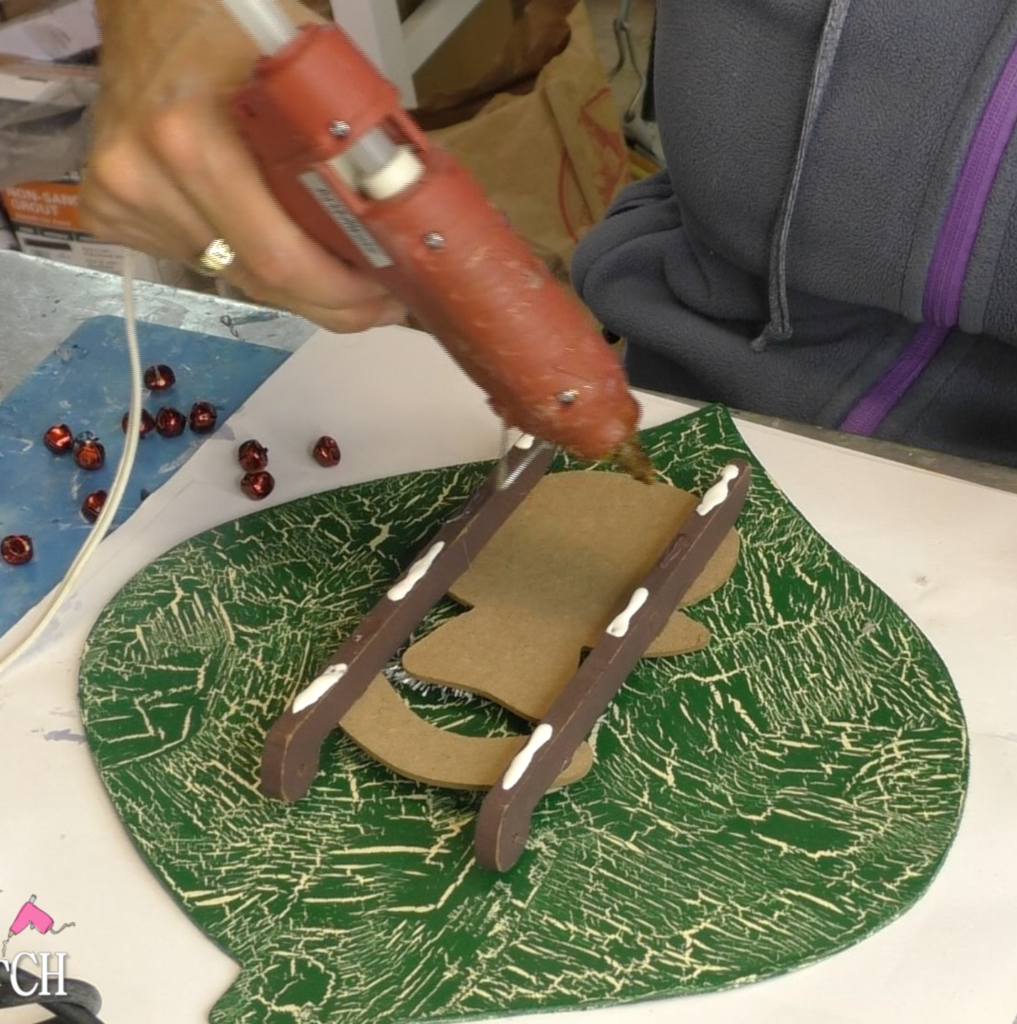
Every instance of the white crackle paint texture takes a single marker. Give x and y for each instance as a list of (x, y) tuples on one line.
[(754, 806)]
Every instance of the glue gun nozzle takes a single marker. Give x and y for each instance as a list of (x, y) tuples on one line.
[(631, 456)]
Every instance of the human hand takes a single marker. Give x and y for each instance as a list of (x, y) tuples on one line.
[(168, 171)]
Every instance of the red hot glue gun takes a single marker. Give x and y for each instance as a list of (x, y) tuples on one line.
[(353, 170)]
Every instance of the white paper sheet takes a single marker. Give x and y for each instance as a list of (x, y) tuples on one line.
[(396, 403)]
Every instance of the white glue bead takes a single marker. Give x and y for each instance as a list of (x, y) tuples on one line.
[(718, 493), (317, 689), (416, 573), (522, 761), (620, 624)]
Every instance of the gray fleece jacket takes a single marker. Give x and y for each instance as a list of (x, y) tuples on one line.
[(874, 290)]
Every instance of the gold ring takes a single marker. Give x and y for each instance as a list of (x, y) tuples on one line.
[(217, 257)]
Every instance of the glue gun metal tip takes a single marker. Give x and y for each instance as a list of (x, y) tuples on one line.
[(631, 457)]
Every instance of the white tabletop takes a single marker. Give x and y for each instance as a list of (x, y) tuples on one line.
[(944, 549)]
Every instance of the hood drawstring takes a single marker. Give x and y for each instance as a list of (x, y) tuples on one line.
[(779, 326)]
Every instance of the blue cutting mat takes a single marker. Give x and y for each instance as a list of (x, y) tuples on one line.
[(85, 384)]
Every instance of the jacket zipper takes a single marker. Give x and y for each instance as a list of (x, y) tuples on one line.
[(951, 258)]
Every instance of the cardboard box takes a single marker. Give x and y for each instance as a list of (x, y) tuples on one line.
[(43, 215), (46, 222)]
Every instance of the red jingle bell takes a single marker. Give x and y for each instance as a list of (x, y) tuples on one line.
[(160, 377), (326, 451), (59, 439), (202, 417), (92, 505), (16, 549), (145, 425), (258, 484), (252, 455), (90, 454), (170, 422)]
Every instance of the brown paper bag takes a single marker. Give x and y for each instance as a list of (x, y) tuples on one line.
[(553, 158), (539, 33)]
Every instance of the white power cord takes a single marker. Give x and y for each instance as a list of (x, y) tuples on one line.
[(270, 27), (117, 488)]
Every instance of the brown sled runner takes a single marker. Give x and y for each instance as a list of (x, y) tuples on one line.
[(674, 550)]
